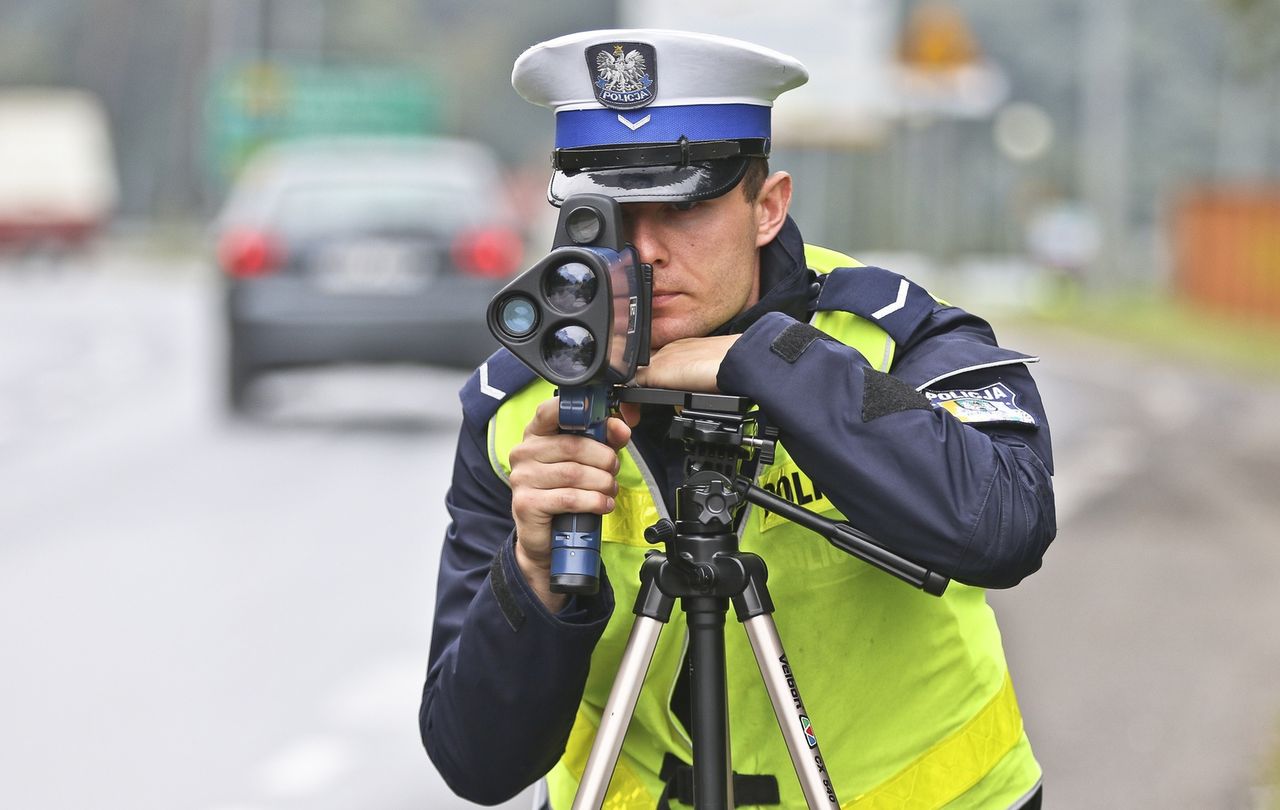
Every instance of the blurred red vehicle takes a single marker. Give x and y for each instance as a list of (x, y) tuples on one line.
[(58, 184)]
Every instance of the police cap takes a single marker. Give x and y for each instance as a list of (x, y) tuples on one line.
[(647, 115)]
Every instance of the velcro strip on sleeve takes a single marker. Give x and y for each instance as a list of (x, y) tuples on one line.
[(502, 592), (792, 341), (883, 394)]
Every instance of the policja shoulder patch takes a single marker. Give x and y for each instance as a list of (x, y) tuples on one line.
[(990, 404)]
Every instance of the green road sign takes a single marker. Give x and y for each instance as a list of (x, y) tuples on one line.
[(254, 104)]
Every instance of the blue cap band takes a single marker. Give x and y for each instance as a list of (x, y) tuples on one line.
[(697, 122)]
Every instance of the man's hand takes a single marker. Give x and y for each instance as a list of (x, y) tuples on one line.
[(690, 364), (553, 474)]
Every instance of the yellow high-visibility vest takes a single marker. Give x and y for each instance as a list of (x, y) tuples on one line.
[(909, 694)]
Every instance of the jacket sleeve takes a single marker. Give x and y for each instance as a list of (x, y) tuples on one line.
[(505, 675), (972, 501)]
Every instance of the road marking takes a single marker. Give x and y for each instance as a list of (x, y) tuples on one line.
[(380, 696), (307, 766), (897, 304)]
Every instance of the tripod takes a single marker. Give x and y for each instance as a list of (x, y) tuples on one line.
[(704, 568)]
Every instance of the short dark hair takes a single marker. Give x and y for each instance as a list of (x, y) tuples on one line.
[(753, 180)]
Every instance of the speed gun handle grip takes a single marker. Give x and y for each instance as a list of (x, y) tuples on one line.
[(575, 537)]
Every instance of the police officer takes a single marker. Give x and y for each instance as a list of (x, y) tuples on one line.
[(896, 411)]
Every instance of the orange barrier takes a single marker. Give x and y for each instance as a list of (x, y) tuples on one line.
[(1227, 250)]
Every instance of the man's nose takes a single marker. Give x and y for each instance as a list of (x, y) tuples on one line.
[(643, 232)]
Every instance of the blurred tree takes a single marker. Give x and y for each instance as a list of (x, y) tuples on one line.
[(1194, 109), (1256, 25), (1249, 90)]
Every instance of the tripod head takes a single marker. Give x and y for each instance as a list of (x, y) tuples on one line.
[(719, 432)]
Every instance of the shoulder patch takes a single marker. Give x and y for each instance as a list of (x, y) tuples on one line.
[(986, 405), (893, 302), (492, 383)]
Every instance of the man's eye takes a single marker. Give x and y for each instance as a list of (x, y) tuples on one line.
[(685, 206)]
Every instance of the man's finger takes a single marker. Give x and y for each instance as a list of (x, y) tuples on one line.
[(546, 419), (564, 474), (630, 411), (566, 447), (618, 433), (577, 501)]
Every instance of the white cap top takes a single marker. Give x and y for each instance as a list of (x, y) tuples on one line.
[(628, 69), (694, 69)]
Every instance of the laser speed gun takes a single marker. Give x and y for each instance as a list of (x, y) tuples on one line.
[(580, 319)]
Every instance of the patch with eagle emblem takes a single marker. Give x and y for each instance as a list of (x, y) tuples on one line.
[(624, 74), (994, 403)]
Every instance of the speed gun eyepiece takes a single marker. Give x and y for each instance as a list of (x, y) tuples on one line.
[(583, 224)]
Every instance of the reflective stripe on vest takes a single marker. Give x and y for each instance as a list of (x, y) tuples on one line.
[(931, 781), (909, 694)]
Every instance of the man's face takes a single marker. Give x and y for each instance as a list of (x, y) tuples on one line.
[(705, 263)]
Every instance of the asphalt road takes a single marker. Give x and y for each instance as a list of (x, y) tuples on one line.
[(1146, 652), (201, 614), (196, 613)]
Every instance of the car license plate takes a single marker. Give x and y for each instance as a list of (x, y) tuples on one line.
[(372, 267)]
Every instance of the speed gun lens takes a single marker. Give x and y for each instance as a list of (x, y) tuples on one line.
[(518, 316), (570, 287), (569, 351)]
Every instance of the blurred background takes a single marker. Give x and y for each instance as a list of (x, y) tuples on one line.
[(244, 245)]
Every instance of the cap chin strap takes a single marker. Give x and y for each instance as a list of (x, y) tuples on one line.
[(682, 153)]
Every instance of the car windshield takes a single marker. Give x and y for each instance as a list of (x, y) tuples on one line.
[(313, 209)]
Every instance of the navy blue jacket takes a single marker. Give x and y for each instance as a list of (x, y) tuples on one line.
[(971, 499)]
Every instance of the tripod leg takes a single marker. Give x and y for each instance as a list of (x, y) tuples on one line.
[(617, 713), (792, 717), (712, 779)]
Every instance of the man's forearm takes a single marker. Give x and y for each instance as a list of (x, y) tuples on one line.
[(501, 696), (975, 505)]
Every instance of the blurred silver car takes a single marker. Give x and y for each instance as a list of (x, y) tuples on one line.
[(363, 250)]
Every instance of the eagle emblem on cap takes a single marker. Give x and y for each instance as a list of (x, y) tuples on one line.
[(624, 74)]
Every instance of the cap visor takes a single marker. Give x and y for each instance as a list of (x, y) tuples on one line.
[(697, 181)]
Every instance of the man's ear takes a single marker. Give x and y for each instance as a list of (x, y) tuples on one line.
[(772, 206)]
